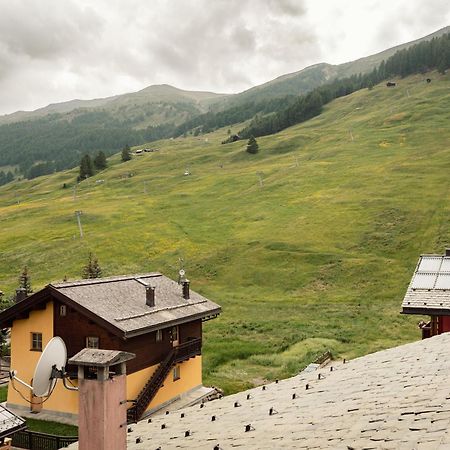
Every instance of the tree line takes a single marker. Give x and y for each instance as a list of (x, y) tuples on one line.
[(419, 58), (59, 141)]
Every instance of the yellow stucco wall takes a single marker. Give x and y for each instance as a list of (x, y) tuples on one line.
[(24, 361), (190, 377), (62, 400)]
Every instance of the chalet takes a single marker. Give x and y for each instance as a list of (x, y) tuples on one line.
[(149, 315), (429, 293)]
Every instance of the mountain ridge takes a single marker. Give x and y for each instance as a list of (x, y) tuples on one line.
[(321, 72), (60, 139)]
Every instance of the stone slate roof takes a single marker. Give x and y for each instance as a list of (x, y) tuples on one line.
[(393, 399), (119, 303), (10, 422), (429, 289)]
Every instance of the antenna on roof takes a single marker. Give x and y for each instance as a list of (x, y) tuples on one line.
[(50, 368), (181, 271)]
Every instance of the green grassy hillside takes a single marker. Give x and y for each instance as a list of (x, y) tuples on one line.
[(317, 258)]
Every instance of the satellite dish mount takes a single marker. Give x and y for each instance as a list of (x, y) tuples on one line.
[(49, 369)]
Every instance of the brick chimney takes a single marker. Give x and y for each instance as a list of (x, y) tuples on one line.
[(150, 296), (185, 284)]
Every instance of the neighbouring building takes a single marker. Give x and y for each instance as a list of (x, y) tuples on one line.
[(10, 424), (429, 293), (149, 315)]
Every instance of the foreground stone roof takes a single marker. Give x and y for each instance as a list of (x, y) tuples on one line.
[(393, 399)]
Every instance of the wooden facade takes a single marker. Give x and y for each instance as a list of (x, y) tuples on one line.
[(74, 328)]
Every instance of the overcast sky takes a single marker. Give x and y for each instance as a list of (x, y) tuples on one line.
[(57, 50)]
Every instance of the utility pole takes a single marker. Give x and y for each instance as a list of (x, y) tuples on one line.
[(74, 192), (78, 214), (351, 135), (260, 175)]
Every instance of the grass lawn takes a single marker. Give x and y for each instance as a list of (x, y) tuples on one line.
[(59, 429), (3, 393), (317, 258)]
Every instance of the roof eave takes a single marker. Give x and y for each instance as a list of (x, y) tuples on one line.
[(207, 315), (13, 430), (426, 311), (21, 307)]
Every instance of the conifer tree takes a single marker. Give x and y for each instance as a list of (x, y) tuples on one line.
[(92, 268), (126, 153), (86, 168), (25, 281), (100, 161), (252, 146)]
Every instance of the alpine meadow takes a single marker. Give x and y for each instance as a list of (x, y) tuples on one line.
[(308, 245)]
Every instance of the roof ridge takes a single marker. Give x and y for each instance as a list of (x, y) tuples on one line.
[(165, 308), (111, 279)]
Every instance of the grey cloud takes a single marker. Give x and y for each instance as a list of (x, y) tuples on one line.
[(42, 33), (289, 7), (406, 15), (53, 50)]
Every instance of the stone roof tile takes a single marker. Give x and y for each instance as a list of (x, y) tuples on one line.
[(362, 404)]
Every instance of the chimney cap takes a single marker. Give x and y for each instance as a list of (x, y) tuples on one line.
[(100, 358)]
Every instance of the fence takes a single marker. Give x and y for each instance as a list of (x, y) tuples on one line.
[(322, 358), (34, 440)]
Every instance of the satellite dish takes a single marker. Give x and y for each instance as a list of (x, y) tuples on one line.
[(53, 357)]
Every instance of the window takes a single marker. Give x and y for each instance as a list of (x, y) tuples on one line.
[(176, 373), (92, 342), (63, 310), (159, 335), (174, 333), (36, 342)]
